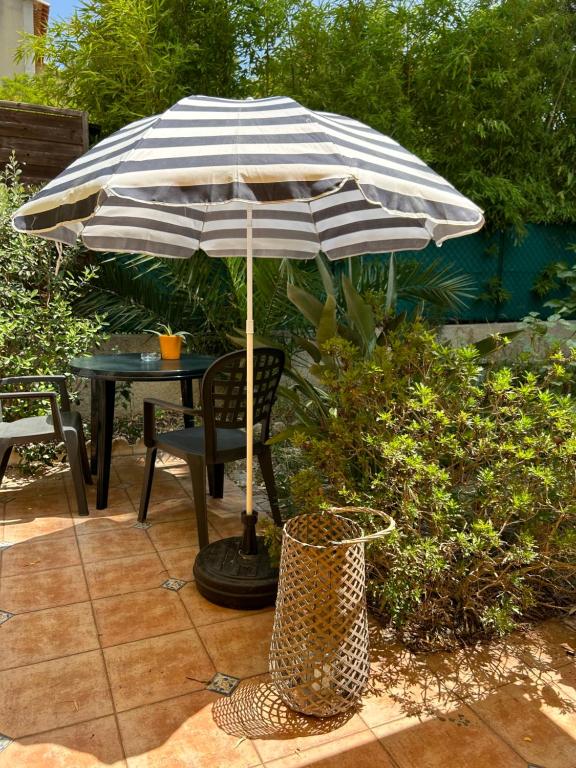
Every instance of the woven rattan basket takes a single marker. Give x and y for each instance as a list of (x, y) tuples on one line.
[(319, 658)]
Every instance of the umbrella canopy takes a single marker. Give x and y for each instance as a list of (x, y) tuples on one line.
[(263, 178), (318, 181)]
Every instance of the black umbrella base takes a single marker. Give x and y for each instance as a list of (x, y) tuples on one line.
[(225, 576)]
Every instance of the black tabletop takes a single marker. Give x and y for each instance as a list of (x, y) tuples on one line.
[(128, 366)]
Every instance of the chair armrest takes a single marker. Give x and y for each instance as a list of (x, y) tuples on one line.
[(58, 379), (150, 405), (51, 396)]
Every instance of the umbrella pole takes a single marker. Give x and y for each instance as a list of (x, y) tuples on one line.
[(237, 572), (249, 362), (249, 545)]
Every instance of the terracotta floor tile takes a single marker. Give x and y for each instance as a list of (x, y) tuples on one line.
[(168, 510), (157, 668), (542, 646), (204, 612), (120, 542), (129, 469), (401, 685), (95, 744), (40, 555), (536, 719), (125, 618), (255, 711), (181, 533), (239, 647), (47, 589), (563, 678), (103, 520), (53, 678), (53, 694), (230, 507), (29, 638), (117, 497), (361, 750), (163, 488), (180, 562), (51, 480), (233, 501), (36, 502), (226, 526), (186, 484), (21, 528), (181, 733), (459, 740), (125, 574), (473, 673)]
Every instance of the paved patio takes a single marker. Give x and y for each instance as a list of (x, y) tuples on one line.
[(101, 665)]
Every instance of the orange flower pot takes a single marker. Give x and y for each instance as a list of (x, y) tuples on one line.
[(170, 347)]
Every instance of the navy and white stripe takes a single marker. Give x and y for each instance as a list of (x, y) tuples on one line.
[(170, 184)]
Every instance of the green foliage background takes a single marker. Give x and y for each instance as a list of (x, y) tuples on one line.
[(483, 91), (39, 329)]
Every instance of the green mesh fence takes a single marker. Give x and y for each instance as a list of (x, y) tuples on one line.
[(504, 269)]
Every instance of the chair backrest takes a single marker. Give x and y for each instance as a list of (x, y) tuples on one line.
[(224, 392), (57, 382)]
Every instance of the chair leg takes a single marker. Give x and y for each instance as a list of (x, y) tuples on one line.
[(218, 481), (5, 451), (73, 449), (210, 473), (147, 484), (198, 475), (265, 461), (84, 457)]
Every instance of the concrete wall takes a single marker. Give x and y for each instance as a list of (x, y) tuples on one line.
[(16, 16), (470, 333), (170, 390)]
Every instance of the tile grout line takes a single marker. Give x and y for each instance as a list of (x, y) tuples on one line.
[(63, 727), (182, 603), (342, 738), (188, 612), (91, 650), (388, 754), (498, 736), (102, 656), (120, 712), (470, 706)]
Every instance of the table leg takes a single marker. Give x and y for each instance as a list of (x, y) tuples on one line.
[(105, 427), (94, 395), (187, 400)]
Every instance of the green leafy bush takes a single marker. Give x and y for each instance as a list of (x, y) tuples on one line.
[(39, 331), (475, 464)]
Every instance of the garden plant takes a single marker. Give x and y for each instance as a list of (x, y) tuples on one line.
[(39, 329), (475, 462)]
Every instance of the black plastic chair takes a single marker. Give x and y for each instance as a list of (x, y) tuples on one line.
[(221, 438), (61, 424)]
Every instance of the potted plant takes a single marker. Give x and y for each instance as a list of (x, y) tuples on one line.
[(170, 341)]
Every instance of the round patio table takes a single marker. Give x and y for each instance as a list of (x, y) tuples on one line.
[(104, 371)]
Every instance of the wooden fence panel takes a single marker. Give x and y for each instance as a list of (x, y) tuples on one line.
[(45, 139)]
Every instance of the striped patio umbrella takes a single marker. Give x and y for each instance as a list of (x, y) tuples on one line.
[(255, 178)]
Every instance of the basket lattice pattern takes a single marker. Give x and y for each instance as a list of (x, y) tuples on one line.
[(319, 658)]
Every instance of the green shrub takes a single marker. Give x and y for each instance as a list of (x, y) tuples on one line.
[(475, 464), (39, 332)]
